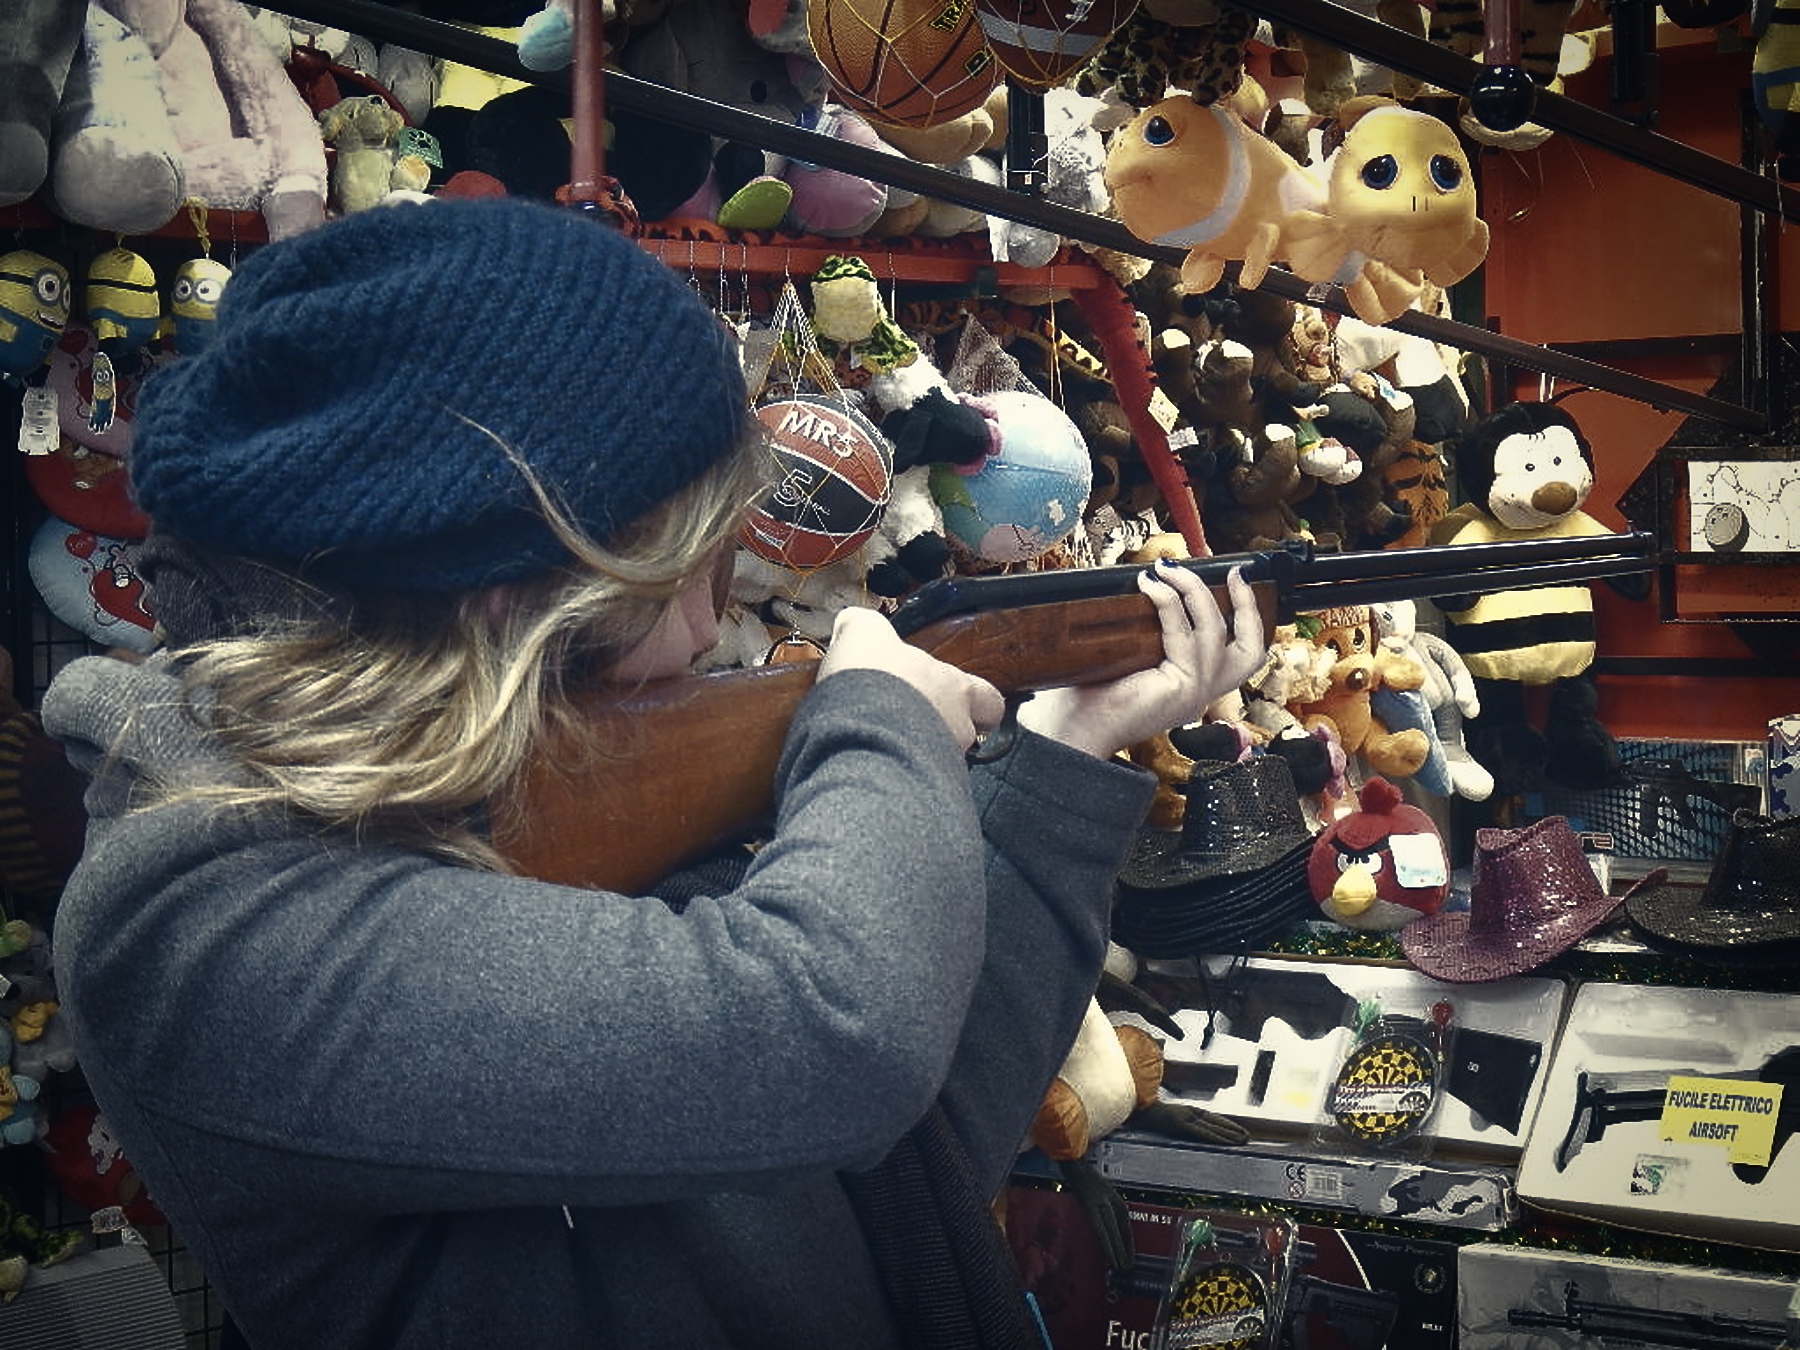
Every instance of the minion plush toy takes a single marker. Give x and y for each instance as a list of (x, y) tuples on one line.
[(125, 312), (34, 310), (194, 303)]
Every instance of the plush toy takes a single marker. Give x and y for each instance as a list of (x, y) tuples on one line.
[(1775, 82), (1112, 1077), (1380, 866), (1028, 494), (177, 99), (363, 131), (1415, 365), (1110, 1072), (35, 300), (1250, 505), (1333, 75), (1194, 176), (1449, 696), (1200, 52), (1375, 422), (1527, 469), (38, 42), (954, 139), (945, 219), (830, 202), (1359, 667), (708, 48), (1399, 211), (21, 1119), (1395, 208)]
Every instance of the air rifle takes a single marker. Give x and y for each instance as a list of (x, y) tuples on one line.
[(664, 774), (1603, 1100), (1622, 1323)]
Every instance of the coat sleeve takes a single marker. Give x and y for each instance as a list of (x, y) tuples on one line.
[(455, 1039), (1058, 824)]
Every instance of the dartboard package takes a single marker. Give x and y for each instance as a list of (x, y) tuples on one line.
[(1388, 1085), (1227, 1279)]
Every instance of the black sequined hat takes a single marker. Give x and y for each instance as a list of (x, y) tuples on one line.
[(1232, 877), (1751, 900), (1240, 817)]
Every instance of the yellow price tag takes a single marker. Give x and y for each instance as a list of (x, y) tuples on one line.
[(1735, 1114)]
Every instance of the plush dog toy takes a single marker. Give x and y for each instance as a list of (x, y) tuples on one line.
[(1449, 697), (1359, 669), (1527, 469), (363, 131)]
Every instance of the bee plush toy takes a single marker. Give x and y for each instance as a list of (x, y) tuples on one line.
[(1527, 469)]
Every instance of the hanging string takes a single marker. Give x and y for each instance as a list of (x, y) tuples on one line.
[(196, 214)]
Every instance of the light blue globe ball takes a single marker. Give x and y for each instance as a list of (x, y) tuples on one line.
[(1015, 505)]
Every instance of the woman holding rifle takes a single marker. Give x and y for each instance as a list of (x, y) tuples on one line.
[(443, 465)]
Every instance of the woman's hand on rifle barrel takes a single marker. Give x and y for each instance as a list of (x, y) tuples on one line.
[(1202, 659)]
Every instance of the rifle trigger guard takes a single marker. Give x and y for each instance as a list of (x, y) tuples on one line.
[(999, 742)]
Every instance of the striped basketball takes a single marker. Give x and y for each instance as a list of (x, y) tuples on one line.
[(829, 484), (909, 63), (1041, 43)]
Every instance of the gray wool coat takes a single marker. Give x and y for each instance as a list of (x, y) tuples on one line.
[(389, 1102)]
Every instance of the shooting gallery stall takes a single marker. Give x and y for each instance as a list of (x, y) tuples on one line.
[(1454, 992)]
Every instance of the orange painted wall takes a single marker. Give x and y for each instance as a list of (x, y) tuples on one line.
[(1589, 247)]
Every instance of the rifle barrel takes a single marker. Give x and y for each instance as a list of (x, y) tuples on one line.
[(1307, 581)]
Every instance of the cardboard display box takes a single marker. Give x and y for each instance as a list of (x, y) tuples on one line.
[(1514, 1298), (1434, 1192), (1346, 1289), (1280, 1029), (1673, 1111)]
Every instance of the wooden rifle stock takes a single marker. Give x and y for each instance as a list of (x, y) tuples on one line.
[(688, 764)]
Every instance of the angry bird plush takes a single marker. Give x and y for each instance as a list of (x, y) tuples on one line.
[(1400, 211), (1527, 469), (1381, 866)]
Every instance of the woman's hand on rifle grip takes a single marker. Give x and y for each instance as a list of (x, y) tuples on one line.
[(862, 639), (1202, 659)]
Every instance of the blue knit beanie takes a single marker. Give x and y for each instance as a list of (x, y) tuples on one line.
[(341, 422)]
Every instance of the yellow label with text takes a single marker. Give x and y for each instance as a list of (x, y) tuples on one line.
[(1734, 1114)]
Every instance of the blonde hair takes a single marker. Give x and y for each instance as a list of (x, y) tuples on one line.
[(400, 715)]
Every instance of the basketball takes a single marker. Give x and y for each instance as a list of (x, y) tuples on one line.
[(909, 63), (829, 485), (1042, 42)]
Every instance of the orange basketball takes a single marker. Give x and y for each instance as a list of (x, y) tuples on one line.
[(910, 63), (828, 487)]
